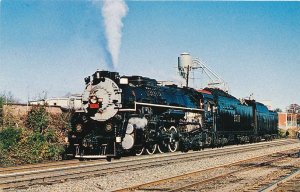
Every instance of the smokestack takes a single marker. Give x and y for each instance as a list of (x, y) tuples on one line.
[(113, 11)]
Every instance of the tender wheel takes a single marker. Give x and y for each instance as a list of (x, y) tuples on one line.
[(174, 144), (139, 151), (151, 149)]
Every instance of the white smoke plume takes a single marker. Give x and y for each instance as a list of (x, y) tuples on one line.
[(113, 11), (139, 123)]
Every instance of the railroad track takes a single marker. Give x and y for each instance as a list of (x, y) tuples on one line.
[(40, 166), (289, 182), (26, 178), (206, 179)]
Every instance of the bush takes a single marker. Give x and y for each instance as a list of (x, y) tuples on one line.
[(39, 139), (39, 149), (27, 146), (9, 137), (38, 119), (60, 125)]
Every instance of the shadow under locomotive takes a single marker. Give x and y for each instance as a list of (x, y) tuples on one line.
[(136, 115)]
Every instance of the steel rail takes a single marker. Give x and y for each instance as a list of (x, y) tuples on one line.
[(226, 174), (176, 155), (281, 181), (197, 183), (24, 168), (23, 179)]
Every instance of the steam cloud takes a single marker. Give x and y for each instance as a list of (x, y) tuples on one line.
[(140, 123), (113, 12)]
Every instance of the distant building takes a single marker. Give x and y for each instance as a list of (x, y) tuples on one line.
[(72, 102), (288, 120)]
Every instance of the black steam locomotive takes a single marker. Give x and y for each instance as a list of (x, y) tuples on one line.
[(136, 115)]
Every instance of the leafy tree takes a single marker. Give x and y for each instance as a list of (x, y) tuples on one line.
[(293, 108), (38, 119), (8, 97)]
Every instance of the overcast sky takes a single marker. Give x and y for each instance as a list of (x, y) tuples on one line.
[(51, 46)]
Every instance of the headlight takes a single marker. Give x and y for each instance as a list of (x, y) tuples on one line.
[(93, 99)]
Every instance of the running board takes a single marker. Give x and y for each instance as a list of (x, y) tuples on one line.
[(92, 156)]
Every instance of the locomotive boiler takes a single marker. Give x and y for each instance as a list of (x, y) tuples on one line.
[(135, 115)]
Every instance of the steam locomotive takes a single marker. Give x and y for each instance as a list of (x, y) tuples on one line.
[(136, 115)]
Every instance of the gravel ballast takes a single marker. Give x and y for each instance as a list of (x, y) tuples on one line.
[(129, 178)]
